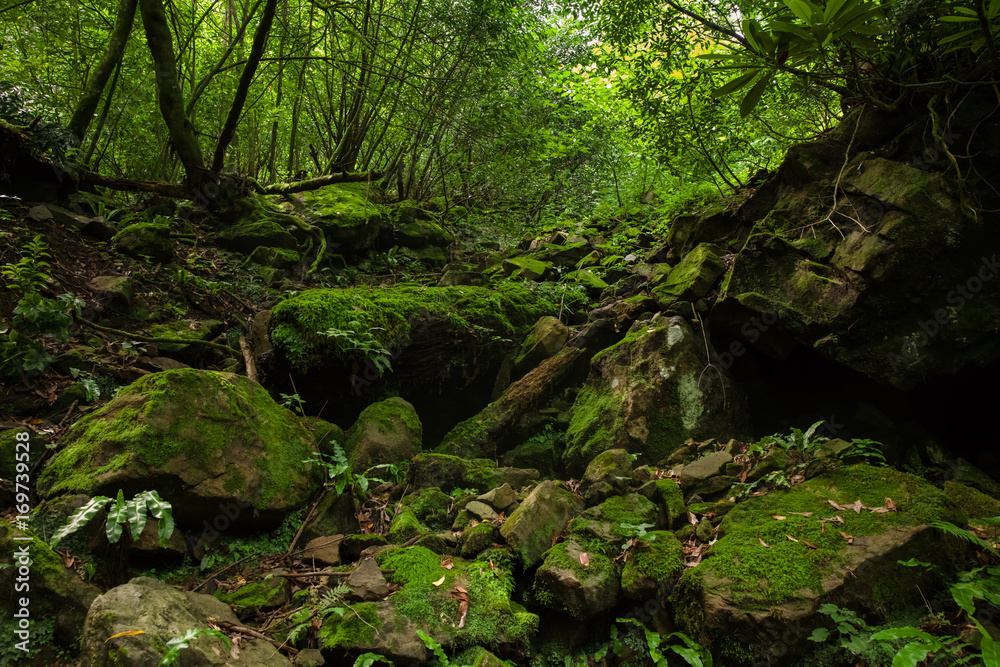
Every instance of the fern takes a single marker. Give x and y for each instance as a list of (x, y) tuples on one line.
[(962, 533), (131, 513)]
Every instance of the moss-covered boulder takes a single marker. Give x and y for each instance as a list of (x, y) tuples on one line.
[(451, 472), (654, 563), (266, 594), (145, 239), (185, 329), (386, 432), (490, 617), (539, 520), (277, 258), (859, 288), (58, 599), (615, 520), (546, 338), (422, 233), (163, 613), (692, 277), (207, 441), (648, 394), (429, 325), (347, 214), (261, 231), (668, 497), (527, 268), (431, 255), (576, 581), (781, 555)]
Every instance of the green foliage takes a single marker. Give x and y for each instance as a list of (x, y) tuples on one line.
[(177, 644), (29, 273), (131, 513), (356, 338), (369, 659), (332, 603), (691, 651)]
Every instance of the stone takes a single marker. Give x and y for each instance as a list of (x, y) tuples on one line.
[(546, 338), (649, 394), (309, 657), (615, 520), (477, 539), (163, 612), (112, 291), (701, 469), (563, 583), (145, 239), (323, 550), (386, 432), (367, 583), (541, 517), (225, 455), (653, 564), (743, 598), (421, 233), (613, 467), (347, 215), (481, 510), (269, 593), (500, 498), (693, 276)]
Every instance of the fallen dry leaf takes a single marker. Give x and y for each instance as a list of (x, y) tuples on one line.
[(778, 517), (127, 633), (835, 505), (462, 596), (802, 513), (439, 581), (447, 564), (790, 538), (810, 544), (857, 507), (849, 538), (891, 505), (763, 543), (584, 558), (692, 519)]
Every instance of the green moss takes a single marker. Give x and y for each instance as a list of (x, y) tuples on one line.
[(759, 576), (267, 593), (659, 558), (974, 503), (185, 412), (385, 315), (430, 506), (405, 526), (202, 330), (492, 617), (565, 556), (142, 230), (351, 630), (452, 472)]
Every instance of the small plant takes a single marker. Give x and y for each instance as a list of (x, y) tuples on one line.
[(691, 651), (355, 338), (29, 274), (177, 644), (131, 513), (340, 475), (293, 402), (331, 603), (869, 450), (802, 441)]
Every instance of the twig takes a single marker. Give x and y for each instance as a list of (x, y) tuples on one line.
[(248, 359), (309, 515), (307, 575), (150, 339), (232, 627)]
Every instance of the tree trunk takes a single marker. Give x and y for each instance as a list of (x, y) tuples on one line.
[(168, 94), (104, 114), (256, 52), (112, 57)]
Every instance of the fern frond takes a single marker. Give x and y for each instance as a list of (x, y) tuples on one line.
[(962, 533)]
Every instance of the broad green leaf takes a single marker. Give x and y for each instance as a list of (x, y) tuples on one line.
[(135, 511), (80, 518), (819, 635), (753, 97), (911, 654), (832, 8), (989, 647), (957, 19), (735, 84), (116, 518), (965, 597), (902, 633), (801, 9)]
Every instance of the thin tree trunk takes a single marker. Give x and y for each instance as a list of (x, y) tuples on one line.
[(168, 92), (112, 57), (256, 51), (104, 114)]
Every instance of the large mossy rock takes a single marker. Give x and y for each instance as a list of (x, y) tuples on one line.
[(449, 472), (205, 440), (58, 597), (692, 277), (540, 519), (576, 581), (386, 432), (347, 214), (162, 612), (896, 281), (772, 567), (145, 239), (491, 619), (648, 394)]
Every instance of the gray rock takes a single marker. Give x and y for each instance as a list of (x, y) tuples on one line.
[(481, 510), (386, 432), (500, 498), (163, 613), (367, 583), (529, 531), (563, 583), (701, 469), (323, 550)]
